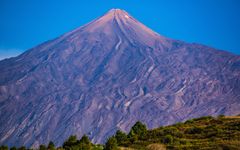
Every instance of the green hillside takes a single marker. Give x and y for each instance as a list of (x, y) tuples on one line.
[(206, 133), (201, 133)]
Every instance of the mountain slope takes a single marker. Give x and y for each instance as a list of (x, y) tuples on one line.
[(107, 75)]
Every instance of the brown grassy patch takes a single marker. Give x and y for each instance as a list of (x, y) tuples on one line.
[(156, 147)]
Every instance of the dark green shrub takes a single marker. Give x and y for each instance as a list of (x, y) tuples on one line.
[(170, 131), (168, 139), (203, 118), (194, 130), (228, 147), (71, 143), (3, 147), (51, 146), (189, 121), (111, 144), (133, 137), (97, 147), (178, 124), (179, 134), (42, 147), (210, 131), (121, 137), (84, 143), (22, 148), (138, 129), (13, 148)]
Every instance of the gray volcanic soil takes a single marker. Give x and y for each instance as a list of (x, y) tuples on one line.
[(106, 76)]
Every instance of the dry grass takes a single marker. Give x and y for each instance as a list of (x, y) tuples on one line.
[(156, 147), (126, 148), (232, 117)]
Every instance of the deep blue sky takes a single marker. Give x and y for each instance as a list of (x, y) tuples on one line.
[(27, 23)]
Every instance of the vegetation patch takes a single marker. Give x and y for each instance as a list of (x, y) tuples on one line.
[(208, 133)]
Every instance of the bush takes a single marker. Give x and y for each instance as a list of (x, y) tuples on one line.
[(13, 148), (194, 130), (138, 129), (227, 147), (210, 131), (133, 138), (22, 148), (170, 131), (189, 121), (71, 143), (203, 118), (111, 144), (51, 146), (179, 134), (3, 147), (97, 147), (168, 139), (42, 147), (84, 143), (121, 137)]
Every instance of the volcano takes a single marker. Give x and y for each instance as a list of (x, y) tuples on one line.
[(107, 75)]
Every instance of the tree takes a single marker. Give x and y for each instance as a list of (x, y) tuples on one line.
[(13, 148), (22, 148), (51, 146), (111, 144), (138, 130), (120, 137), (85, 143), (3, 147), (42, 147), (71, 143)]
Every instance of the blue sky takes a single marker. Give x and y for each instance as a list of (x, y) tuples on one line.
[(27, 23)]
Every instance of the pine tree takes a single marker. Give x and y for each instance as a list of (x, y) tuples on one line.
[(3, 147), (138, 131), (111, 144), (85, 143), (120, 137), (51, 146), (22, 148), (42, 147), (71, 143), (13, 148)]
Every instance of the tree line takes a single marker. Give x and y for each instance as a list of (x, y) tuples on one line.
[(200, 133), (72, 143)]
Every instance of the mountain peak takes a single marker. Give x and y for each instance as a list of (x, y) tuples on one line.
[(115, 12), (117, 22)]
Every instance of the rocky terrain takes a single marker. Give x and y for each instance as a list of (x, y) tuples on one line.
[(107, 75)]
